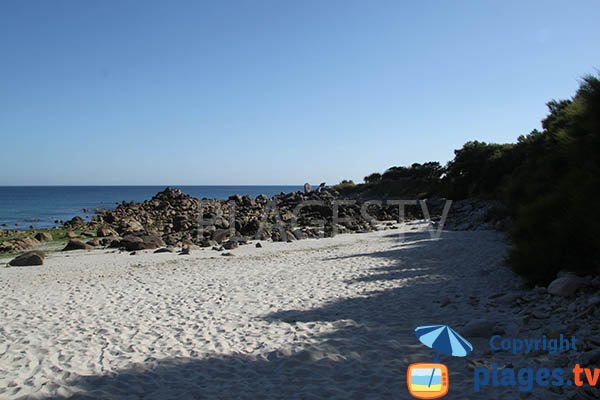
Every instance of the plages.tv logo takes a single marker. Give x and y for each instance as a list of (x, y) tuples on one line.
[(431, 380)]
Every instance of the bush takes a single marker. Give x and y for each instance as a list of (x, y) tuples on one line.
[(345, 184), (555, 194), (479, 169), (373, 178)]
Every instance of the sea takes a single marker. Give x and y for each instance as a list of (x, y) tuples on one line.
[(23, 207)]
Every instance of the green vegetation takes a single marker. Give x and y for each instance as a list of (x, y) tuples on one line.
[(345, 185), (554, 194), (549, 183)]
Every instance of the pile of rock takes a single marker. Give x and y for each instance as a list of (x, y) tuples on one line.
[(172, 218), (472, 214), (176, 219), (23, 243)]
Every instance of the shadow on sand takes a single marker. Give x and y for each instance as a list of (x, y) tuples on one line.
[(365, 356)]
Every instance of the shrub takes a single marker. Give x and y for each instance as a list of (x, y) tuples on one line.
[(555, 194)]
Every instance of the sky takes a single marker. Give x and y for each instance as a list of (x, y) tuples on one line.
[(274, 92)]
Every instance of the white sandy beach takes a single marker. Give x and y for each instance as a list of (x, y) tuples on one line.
[(328, 318)]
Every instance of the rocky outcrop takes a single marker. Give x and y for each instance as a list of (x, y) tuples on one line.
[(471, 214), (18, 244), (172, 218), (178, 218)]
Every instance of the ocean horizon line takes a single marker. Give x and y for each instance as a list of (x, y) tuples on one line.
[(161, 185)]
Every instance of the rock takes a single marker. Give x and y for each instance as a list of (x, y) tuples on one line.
[(478, 328), (251, 227), (71, 235), (28, 259), (590, 357), (131, 242), (208, 243), (130, 225), (152, 241), (75, 244), (180, 223), (163, 250), (307, 188), (144, 242), (565, 285), (537, 314), (220, 235), (258, 245), (236, 197), (227, 254), (185, 251), (105, 231), (75, 222), (17, 245), (110, 241), (594, 300), (43, 237), (289, 236), (508, 298), (94, 242), (230, 245)]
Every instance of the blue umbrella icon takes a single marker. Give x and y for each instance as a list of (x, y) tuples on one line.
[(444, 340)]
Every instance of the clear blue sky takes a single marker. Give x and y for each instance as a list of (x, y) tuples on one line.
[(274, 92)]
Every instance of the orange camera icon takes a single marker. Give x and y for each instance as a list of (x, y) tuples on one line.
[(427, 380)]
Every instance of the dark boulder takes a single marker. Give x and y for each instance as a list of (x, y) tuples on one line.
[(144, 242), (251, 227), (75, 244), (28, 259), (180, 223), (230, 245), (163, 250)]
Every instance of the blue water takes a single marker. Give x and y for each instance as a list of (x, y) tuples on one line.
[(39, 206)]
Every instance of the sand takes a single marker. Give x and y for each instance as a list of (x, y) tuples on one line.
[(327, 318)]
